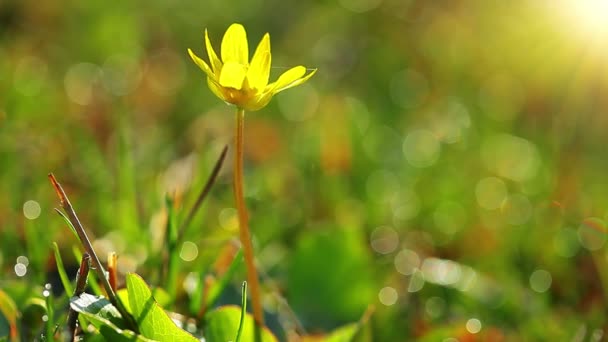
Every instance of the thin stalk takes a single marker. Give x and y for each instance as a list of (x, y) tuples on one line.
[(86, 243), (244, 233), (172, 254), (201, 197), (81, 284)]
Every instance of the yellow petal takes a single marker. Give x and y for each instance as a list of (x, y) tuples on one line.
[(215, 88), (216, 64), (287, 78), (234, 45), (201, 64), (260, 102), (232, 75), (259, 70), (296, 82)]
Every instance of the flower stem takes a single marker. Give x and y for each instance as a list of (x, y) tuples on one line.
[(244, 233)]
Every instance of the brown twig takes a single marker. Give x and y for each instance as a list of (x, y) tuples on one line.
[(81, 283), (112, 278), (86, 243)]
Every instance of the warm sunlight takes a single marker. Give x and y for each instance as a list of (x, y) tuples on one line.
[(589, 17)]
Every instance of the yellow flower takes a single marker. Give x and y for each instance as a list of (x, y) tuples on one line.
[(237, 81)]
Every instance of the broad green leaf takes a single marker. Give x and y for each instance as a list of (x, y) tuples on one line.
[(161, 296), (343, 334), (338, 260), (111, 332), (8, 317), (223, 324), (153, 321), (98, 306)]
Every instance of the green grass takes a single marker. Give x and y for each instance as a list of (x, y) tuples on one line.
[(446, 164)]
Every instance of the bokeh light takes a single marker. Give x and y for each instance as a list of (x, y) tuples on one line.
[(490, 193), (435, 306), (511, 157), (388, 296), (592, 233), (540, 281), (407, 262), (384, 240), (31, 210), (473, 325), (421, 148), (189, 251)]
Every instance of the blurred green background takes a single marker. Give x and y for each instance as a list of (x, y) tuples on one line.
[(446, 165)]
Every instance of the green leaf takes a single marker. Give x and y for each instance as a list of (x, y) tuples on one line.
[(65, 280), (343, 334), (111, 332), (153, 321), (339, 260), (239, 333), (98, 306), (160, 295), (223, 323), (68, 222)]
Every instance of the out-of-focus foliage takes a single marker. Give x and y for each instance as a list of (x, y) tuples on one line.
[(446, 164)]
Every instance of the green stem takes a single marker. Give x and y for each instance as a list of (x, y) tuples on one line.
[(244, 233)]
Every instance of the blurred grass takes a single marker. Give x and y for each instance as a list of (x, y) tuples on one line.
[(470, 131)]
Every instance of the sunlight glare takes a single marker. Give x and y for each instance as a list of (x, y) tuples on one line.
[(591, 16)]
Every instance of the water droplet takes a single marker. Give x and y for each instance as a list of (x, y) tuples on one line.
[(46, 293), (45, 318)]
